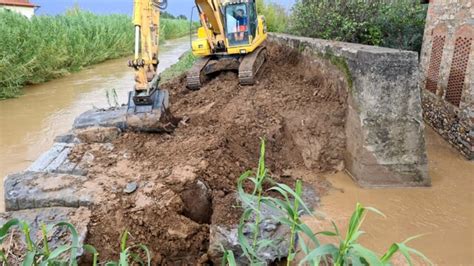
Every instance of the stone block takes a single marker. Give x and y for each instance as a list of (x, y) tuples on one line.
[(28, 190), (384, 128), (102, 118)]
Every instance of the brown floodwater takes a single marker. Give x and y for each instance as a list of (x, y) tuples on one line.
[(29, 123), (444, 212)]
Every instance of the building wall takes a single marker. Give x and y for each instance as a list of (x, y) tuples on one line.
[(447, 63), (29, 12)]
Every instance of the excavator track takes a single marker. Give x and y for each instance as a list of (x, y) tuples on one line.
[(196, 76), (250, 66)]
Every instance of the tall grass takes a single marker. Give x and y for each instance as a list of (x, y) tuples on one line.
[(47, 47)]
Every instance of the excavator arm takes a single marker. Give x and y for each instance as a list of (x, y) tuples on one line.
[(148, 108)]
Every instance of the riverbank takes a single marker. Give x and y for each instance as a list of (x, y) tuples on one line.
[(30, 123), (48, 47)]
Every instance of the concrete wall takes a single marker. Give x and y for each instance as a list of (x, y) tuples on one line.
[(384, 128), (28, 12), (447, 62)]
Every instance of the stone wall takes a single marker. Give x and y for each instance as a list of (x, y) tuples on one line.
[(384, 127), (447, 65)]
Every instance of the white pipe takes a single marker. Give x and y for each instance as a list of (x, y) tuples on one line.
[(137, 41)]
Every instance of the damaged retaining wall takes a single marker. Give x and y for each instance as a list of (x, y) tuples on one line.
[(447, 62), (384, 127)]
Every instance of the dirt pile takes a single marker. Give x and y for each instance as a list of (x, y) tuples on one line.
[(187, 179)]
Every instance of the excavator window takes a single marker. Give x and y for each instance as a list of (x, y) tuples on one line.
[(237, 24)]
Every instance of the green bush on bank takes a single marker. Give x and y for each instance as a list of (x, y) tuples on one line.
[(47, 47), (390, 23), (276, 16)]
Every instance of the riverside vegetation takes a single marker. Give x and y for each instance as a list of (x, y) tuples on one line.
[(390, 23), (289, 207), (47, 47)]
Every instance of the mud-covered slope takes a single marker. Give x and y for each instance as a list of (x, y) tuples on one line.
[(298, 106)]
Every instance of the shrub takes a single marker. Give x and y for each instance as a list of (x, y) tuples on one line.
[(275, 15), (396, 23)]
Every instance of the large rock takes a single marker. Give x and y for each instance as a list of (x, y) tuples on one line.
[(223, 236), (227, 237), (29, 190), (115, 117), (15, 242), (384, 127)]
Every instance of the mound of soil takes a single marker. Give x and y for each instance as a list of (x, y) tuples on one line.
[(298, 106)]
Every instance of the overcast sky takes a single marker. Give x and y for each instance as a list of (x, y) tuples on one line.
[(175, 7)]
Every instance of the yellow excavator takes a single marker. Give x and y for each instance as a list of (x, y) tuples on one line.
[(231, 37)]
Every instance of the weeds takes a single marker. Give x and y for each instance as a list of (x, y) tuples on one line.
[(289, 207), (252, 210), (126, 254), (112, 98), (36, 255)]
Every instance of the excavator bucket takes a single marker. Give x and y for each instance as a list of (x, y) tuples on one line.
[(150, 113)]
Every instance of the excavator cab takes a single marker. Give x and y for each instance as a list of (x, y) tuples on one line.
[(237, 23)]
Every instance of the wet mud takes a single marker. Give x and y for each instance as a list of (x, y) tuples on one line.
[(187, 180)]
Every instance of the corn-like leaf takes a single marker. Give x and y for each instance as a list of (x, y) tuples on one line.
[(123, 241), (229, 258), (367, 254), (92, 250), (74, 240), (326, 233), (29, 259), (58, 252), (309, 233), (295, 196), (6, 228), (374, 210), (320, 252), (123, 258)]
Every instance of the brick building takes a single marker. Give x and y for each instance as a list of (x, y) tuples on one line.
[(23, 7), (447, 62)]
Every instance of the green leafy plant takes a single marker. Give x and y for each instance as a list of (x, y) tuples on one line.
[(393, 23), (36, 255), (228, 258), (291, 209), (126, 254), (42, 255), (350, 252), (252, 203)]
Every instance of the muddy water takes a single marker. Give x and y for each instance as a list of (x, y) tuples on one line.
[(29, 124), (444, 212)]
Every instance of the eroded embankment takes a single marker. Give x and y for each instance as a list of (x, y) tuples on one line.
[(298, 106)]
